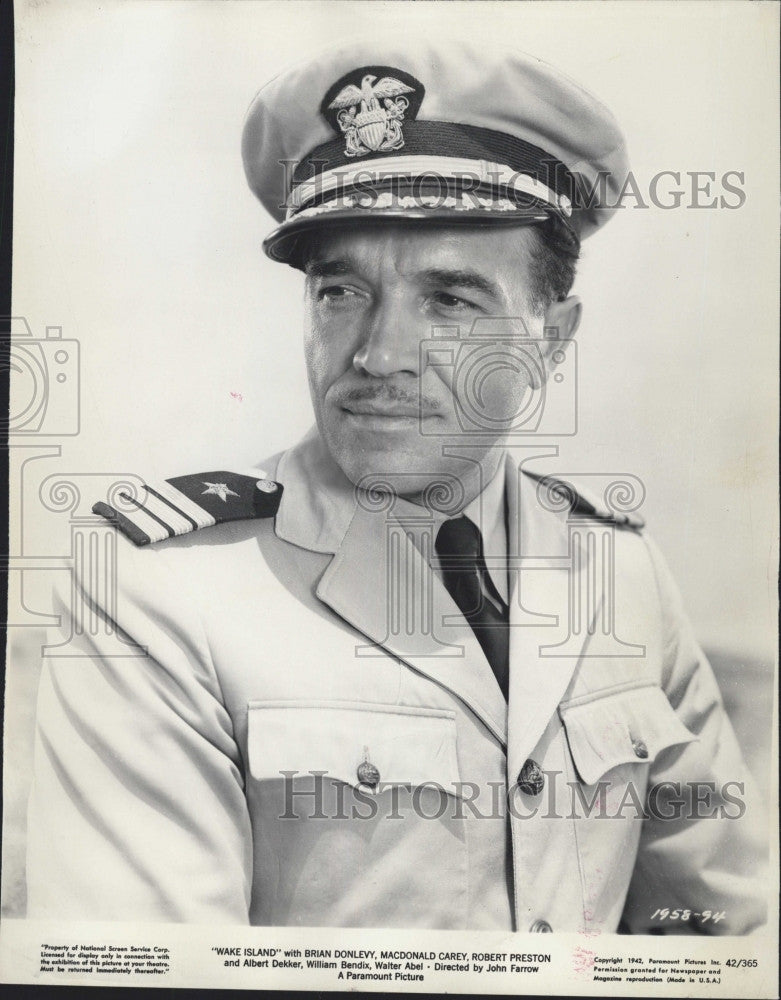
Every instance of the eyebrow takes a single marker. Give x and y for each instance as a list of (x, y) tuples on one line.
[(461, 279), (328, 268)]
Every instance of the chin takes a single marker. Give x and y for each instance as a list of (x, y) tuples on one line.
[(405, 475), (401, 475)]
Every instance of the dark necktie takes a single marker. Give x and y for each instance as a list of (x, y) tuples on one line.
[(459, 546)]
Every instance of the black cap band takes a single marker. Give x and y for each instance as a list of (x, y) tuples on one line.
[(445, 140)]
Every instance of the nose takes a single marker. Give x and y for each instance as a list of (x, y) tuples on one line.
[(391, 343)]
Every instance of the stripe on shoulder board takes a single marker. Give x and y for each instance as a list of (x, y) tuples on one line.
[(199, 517)]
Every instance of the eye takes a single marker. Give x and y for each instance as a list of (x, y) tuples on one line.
[(451, 303), (334, 293)]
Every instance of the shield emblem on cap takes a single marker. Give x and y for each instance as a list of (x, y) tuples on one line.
[(372, 127)]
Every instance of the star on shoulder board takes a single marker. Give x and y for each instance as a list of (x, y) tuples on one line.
[(220, 490)]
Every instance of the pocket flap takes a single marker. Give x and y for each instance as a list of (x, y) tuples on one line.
[(630, 726), (407, 745)]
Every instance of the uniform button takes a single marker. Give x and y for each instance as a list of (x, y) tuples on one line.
[(531, 779), (368, 774), (640, 749), (266, 486), (541, 927)]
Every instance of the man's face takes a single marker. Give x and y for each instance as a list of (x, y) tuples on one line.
[(386, 404)]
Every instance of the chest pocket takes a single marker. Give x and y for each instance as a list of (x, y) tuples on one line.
[(628, 727), (366, 745)]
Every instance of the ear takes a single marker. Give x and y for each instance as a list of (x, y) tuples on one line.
[(563, 317), (561, 322)]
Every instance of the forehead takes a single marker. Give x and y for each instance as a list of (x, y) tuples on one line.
[(410, 248)]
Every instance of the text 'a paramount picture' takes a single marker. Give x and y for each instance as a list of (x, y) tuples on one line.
[(375, 666)]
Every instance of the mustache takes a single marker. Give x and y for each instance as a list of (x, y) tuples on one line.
[(387, 392)]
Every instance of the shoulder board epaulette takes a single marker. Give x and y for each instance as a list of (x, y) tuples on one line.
[(585, 504), (187, 503)]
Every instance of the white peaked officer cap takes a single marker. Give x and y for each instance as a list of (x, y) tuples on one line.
[(444, 132)]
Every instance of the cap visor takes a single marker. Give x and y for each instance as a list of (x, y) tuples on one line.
[(284, 244)]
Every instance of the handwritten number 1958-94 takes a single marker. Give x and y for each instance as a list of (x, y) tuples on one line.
[(703, 916)]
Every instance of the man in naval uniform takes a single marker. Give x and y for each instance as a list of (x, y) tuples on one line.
[(397, 676)]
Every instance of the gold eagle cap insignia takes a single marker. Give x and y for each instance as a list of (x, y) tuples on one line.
[(371, 116)]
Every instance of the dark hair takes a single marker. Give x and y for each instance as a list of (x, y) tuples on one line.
[(554, 254)]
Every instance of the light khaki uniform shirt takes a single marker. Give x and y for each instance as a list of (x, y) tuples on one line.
[(175, 782)]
